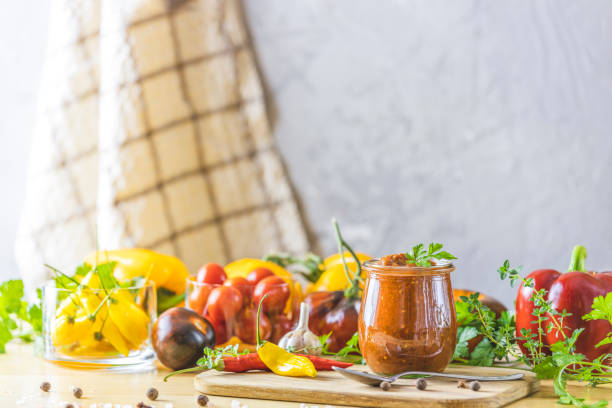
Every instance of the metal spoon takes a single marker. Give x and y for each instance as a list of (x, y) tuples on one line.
[(373, 379)]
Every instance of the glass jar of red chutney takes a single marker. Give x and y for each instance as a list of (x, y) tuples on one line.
[(407, 319)]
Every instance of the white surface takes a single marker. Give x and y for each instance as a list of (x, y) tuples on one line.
[(482, 125)]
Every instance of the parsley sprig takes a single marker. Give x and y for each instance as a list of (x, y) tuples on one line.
[(18, 318), (422, 256), (350, 352)]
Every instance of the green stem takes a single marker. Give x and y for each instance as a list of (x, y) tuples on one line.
[(259, 342), (185, 370), (93, 315), (352, 292), (579, 255)]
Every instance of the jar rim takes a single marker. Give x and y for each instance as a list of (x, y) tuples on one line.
[(442, 267)]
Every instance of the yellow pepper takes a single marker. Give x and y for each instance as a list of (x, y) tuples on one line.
[(130, 319), (282, 362), (333, 277), (166, 271)]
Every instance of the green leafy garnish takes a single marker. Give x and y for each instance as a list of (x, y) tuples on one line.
[(167, 299), (211, 360), (602, 310), (420, 256), (18, 319), (350, 352), (310, 266)]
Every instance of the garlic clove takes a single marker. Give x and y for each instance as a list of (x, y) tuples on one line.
[(301, 339)]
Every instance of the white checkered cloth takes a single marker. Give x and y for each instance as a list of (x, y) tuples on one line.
[(152, 126)]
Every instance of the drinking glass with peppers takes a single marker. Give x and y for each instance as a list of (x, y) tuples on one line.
[(90, 318)]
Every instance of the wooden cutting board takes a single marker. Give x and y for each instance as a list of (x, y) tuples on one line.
[(333, 389)]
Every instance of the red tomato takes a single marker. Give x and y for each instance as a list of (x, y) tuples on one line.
[(245, 328), (224, 303), (220, 328), (281, 325), (198, 297), (211, 273), (258, 274), (244, 286), (277, 291)]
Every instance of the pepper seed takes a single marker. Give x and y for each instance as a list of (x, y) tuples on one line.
[(474, 386), (142, 405), (420, 384), (202, 400), (45, 386), (385, 386), (461, 384), (152, 394), (77, 392)]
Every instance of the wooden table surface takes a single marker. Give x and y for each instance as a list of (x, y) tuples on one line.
[(21, 374)]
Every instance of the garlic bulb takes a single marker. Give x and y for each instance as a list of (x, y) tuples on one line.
[(301, 339)]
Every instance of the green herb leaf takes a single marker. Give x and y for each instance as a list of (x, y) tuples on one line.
[(464, 334), (18, 319), (420, 256)]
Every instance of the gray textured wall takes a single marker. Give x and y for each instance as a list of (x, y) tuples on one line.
[(484, 125), (480, 124)]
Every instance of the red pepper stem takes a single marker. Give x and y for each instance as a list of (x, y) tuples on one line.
[(579, 255)]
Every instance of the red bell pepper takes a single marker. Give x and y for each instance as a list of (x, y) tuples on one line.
[(573, 292)]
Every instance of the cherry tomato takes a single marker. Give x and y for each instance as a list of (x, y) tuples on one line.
[(244, 286), (220, 328), (198, 297), (278, 293), (258, 274), (281, 325), (245, 325), (211, 273), (224, 303)]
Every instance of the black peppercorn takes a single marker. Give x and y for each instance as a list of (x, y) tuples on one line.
[(385, 386), (77, 392), (420, 383), (45, 386), (474, 386), (152, 394), (202, 400)]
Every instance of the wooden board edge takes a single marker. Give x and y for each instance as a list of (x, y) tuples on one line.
[(524, 388)]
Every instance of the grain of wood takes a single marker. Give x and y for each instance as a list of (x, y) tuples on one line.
[(332, 388)]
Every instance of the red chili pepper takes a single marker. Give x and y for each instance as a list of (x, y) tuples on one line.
[(323, 364), (252, 361), (574, 292)]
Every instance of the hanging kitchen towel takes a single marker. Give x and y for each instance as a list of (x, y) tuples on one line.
[(152, 132)]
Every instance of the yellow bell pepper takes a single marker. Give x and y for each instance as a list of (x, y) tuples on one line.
[(282, 362), (165, 270), (333, 277)]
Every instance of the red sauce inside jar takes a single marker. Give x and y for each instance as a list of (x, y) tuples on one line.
[(407, 319)]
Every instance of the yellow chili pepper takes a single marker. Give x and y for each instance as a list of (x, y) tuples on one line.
[(130, 319), (166, 271), (282, 362)]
